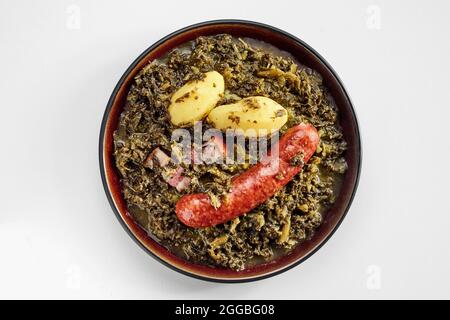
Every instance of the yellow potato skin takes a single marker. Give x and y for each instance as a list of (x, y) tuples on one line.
[(256, 116), (195, 99)]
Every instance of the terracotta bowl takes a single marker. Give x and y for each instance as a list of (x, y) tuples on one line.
[(306, 56)]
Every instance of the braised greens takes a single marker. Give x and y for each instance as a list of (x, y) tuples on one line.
[(277, 226)]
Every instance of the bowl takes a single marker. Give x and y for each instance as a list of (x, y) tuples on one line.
[(306, 56)]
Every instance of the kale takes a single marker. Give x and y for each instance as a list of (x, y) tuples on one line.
[(249, 69)]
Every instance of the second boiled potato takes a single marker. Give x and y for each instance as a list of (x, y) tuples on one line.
[(195, 99), (256, 116)]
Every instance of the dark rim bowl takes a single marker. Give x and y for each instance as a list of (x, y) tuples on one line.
[(306, 56)]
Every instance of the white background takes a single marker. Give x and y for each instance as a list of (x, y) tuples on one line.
[(58, 235)]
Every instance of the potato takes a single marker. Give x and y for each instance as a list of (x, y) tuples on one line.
[(260, 114), (195, 99)]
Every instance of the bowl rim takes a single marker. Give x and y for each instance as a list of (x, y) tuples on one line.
[(106, 117)]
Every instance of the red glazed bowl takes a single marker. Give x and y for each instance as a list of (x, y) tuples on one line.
[(306, 56)]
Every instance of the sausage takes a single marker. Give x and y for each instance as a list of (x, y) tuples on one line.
[(254, 186)]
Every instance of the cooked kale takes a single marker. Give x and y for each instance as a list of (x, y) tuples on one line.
[(275, 227)]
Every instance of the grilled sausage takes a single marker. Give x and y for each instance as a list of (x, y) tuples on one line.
[(254, 186)]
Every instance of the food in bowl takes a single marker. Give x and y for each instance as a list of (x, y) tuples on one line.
[(215, 210)]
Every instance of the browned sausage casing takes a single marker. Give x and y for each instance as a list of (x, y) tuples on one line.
[(254, 186)]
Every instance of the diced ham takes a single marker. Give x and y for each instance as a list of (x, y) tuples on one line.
[(162, 158), (219, 144), (174, 178), (183, 183), (177, 179), (214, 150)]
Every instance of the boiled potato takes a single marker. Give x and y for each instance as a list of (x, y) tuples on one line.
[(195, 99), (256, 116)]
